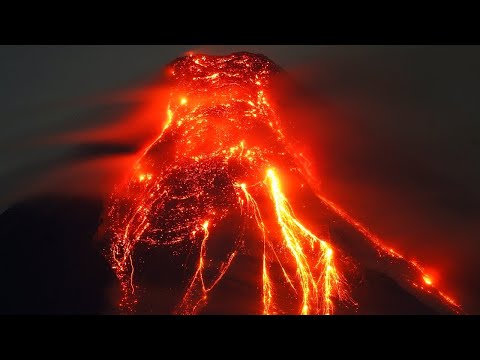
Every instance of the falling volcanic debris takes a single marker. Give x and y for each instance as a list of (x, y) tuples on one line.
[(223, 154)]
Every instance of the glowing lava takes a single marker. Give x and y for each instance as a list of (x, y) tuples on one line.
[(222, 153)]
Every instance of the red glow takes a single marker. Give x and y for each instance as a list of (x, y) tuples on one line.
[(427, 280), (221, 151)]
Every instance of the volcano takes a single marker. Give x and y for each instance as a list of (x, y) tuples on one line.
[(220, 214)]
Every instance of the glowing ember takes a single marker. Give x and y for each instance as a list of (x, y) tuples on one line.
[(222, 153)]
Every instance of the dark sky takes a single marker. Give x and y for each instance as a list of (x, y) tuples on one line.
[(396, 144)]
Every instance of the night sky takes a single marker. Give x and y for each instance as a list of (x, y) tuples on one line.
[(393, 134)]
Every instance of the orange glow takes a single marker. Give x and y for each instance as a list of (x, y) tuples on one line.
[(223, 152)]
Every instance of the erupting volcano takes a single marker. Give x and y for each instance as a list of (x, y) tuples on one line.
[(224, 161)]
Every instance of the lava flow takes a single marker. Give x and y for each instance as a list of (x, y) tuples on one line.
[(223, 153)]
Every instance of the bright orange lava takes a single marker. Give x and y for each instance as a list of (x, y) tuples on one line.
[(222, 152)]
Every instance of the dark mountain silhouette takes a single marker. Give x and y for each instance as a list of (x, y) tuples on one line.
[(52, 264)]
